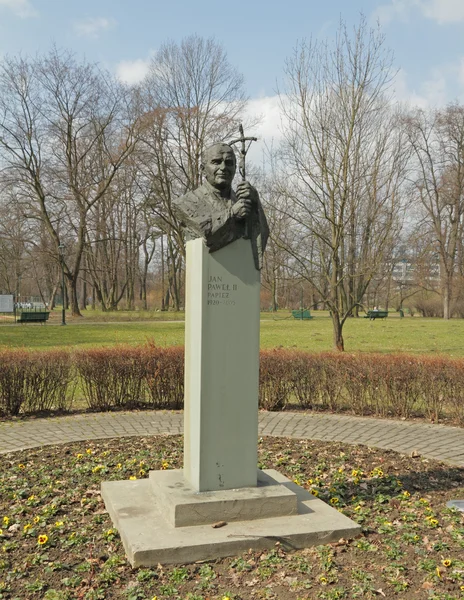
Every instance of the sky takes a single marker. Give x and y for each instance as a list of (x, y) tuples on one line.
[(425, 36)]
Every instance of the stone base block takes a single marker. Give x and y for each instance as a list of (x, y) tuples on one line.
[(182, 506), (149, 538)]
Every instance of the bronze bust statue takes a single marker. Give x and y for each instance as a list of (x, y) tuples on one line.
[(217, 213)]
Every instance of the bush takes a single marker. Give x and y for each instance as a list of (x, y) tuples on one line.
[(275, 377), (35, 382), (358, 384), (332, 379), (112, 377), (127, 377), (364, 384), (435, 386), (13, 369), (50, 382), (164, 373), (429, 307), (454, 395), (305, 379)]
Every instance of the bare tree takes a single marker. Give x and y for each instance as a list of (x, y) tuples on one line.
[(65, 130), (437, 140), (14, 235), (343, 165)]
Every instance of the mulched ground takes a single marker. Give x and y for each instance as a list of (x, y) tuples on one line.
[(58, 543)]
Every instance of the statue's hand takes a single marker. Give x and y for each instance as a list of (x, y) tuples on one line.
[(241, 208), (247, 196), (246, 190)]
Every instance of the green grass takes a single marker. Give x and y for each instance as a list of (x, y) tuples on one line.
[(88, 335), (98, 316), (414, 335)]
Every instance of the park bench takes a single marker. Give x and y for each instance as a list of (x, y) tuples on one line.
[(301, 314), (33, 317), (376, 314)]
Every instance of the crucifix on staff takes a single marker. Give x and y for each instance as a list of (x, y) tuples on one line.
[(253, 227)]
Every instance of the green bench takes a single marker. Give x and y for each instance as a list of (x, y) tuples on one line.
[(33, 317), (301, 314), (376, 314)]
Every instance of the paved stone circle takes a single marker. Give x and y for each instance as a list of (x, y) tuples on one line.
[(439, 442)]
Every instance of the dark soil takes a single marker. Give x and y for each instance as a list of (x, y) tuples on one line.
[(58, 543)]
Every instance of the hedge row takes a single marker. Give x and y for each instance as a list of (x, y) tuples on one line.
[(380, 385), (148, 376)]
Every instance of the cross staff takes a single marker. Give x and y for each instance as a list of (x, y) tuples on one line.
[(253, 224), (243, 150)]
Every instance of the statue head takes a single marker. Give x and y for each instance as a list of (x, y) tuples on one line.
[(218, 164)]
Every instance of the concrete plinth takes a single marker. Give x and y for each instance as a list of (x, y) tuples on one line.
[(150, 539), (182, 506), (221, 367)]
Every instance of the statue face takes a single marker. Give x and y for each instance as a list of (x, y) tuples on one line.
[(219, 166)]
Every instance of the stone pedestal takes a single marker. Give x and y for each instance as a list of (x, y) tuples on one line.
[(221, 367), (149, 538), (182, 506), (173, 516)]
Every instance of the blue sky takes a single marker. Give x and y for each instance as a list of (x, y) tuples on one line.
[(426, 36)]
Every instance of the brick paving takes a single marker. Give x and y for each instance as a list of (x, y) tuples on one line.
[(431, 441)]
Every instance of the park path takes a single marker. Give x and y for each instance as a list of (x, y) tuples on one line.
[(431, 441)]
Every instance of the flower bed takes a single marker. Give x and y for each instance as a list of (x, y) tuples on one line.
[(58, 542)]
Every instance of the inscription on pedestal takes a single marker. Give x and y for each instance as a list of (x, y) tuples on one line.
[(221, 292)]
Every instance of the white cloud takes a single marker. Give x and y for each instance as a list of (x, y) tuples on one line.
[(269, 130), (441, 11), (93, 26), (268, 109), (132, 71), (396, 9), (435, 91), (402, 93), (21, 8)]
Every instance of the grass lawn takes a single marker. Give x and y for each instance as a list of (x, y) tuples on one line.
[(88, 335), (58, 542), (415, 335)]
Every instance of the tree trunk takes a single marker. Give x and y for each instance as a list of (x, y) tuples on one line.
[(163, 302), (339, 343), (83, 302), (275, 304), (74, 298), (130, 293), (446, 299), (143, 289), (52, 299)]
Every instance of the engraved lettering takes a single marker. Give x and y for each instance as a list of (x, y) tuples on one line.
[(219, 292)]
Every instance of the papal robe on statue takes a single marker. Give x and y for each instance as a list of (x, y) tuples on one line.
[(203, 213)]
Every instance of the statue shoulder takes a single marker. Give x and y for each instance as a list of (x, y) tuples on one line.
[(189, 202)]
